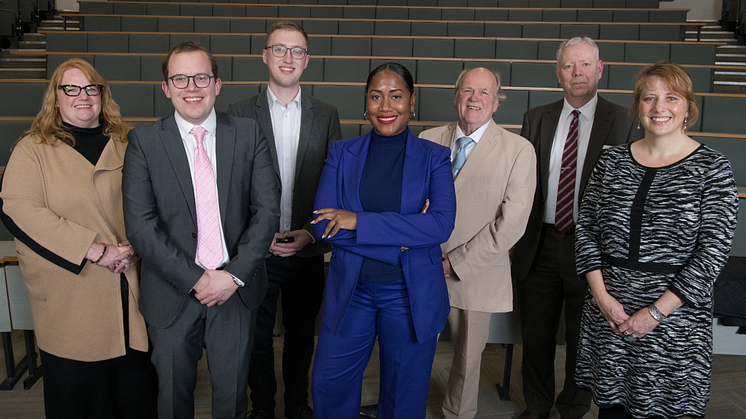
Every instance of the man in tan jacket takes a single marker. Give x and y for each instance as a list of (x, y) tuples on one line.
[(495, 179)]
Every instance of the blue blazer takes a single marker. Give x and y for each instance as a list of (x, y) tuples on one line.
[(380, 236)]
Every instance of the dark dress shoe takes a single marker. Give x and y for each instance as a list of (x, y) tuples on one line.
[(528, 415), (369, 412), (261, 414), (301, 412)]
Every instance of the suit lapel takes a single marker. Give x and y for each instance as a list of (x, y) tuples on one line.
[(599, 133), (415, 164), (549, 123), (265, 123), (306, 127), (111, 158), (174, 147), (352, 172), (225, 145), (489, 140)]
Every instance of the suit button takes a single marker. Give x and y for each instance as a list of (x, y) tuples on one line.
[(194, 235)]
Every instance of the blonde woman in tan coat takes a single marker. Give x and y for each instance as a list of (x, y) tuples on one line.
[(62, 200)]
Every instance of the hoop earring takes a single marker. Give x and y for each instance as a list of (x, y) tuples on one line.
[(365, 115), (412, 115), (686, 121)]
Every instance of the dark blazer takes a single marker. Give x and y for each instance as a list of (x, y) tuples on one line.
[(160, 217), (319, 126), (612, 125), (380, 236)]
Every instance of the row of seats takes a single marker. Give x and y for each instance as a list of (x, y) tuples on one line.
[(734, 148), (433, 105), (616, 4), (387, 46), (604, 30), (240, 68), (295, 11)]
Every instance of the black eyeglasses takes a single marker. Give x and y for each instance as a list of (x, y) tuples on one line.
[(279, 51), (73, 90), (181, 81)]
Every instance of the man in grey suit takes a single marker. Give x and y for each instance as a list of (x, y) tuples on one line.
[(544, 259), (299, 130), (200, 208)]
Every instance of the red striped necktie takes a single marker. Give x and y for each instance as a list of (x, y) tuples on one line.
[(566, 188)]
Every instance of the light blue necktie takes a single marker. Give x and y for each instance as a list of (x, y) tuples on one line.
[(460, 159)]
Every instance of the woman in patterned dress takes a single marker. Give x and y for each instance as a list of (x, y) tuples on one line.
[(654, 230)]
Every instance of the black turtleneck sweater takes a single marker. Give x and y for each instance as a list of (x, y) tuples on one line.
[(89, 142), (380, 191)]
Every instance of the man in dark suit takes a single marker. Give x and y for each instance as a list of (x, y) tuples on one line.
[(200, 208), (544, 259), (299, 130)]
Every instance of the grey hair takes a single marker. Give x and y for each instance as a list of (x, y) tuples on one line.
[(575, 41), (457, 88)]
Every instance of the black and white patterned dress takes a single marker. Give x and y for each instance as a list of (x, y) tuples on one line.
[(650, 230)]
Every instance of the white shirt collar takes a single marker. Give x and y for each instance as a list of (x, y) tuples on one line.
[(272, 99), (586, 111), (476, 135), (210, 124)]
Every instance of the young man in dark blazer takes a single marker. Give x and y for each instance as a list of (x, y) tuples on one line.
[(299, 130), (200, 208), (544, 259)]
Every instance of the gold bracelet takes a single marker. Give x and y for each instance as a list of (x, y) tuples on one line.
[(100, 257)]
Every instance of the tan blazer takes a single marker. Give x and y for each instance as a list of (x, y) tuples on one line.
[(63, 203), (494, 192)]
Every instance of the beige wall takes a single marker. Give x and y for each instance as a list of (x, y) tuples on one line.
[(698, 9)]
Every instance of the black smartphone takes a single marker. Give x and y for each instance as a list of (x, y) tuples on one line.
[(285, 240)]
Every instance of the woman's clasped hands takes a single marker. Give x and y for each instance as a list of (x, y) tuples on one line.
[(117, 259)]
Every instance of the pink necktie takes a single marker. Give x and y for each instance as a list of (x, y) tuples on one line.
[(209, 244), (566, 189)]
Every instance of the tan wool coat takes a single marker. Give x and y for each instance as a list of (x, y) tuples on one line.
[(65, 204)]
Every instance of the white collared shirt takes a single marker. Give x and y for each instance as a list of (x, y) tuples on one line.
[(286, 126), (208, 142), (476, 136), (585, 124)]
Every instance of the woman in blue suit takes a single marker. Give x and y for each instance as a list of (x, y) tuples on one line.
[(385, 202)]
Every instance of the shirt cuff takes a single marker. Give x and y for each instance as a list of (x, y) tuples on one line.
[(235, 279), (313, 239)]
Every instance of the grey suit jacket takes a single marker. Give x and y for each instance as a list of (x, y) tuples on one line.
[(319, 126), (612, 125), (160, 217)]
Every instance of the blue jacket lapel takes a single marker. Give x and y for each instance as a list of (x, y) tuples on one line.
[(415, 164), (352, 170)]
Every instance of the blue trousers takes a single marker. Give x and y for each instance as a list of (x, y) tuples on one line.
[(377, 310)]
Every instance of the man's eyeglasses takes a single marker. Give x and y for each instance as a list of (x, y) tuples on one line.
[(73, 90), (181, 81), (279, 51)]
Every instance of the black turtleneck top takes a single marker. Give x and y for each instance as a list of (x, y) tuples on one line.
[(89, 142), (380, 191)]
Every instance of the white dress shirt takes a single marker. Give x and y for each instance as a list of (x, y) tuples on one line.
[(286, 127), (476, 136), (208, 142), (585, 124)]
